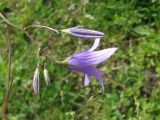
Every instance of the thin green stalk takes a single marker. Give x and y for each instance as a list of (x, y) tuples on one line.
[(9, 85), (10, 80), (15, 26), (42, 26)]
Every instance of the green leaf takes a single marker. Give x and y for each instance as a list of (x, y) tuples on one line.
[(143, 30)]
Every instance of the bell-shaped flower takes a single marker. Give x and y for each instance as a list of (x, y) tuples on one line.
[(83, 33), (85, 62)]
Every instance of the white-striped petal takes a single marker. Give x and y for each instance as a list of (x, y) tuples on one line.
[(95, 44), (92, 57), (86, 80)]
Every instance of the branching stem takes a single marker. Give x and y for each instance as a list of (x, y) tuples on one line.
[(10, 80), (15, 26)]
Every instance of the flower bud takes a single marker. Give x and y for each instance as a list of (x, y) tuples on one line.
[(46, 76), (83, 33), (35, 84)]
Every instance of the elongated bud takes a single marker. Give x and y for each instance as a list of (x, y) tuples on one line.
[(46, 76), (35, 84), (83, 33)]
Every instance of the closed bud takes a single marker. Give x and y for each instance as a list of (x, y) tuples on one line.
[(35, 84), (83, 33), (46, 76)]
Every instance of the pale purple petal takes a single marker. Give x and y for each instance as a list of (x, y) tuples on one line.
[(83, 33), (89, 70), (86, 80), (85, 36), (86, 32), (95, 44), (92, 57), (83, 68), (98, 76)]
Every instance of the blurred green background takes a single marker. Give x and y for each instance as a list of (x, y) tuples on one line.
[(131, 25)]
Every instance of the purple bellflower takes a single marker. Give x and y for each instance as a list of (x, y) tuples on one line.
[(83, 33), (86, 61)]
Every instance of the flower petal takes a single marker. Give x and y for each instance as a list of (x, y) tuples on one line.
[(85, 36), (91, 57), (89, 70), (98, 76), (95, 44), (86, 80), (86, 32), (82, 68)]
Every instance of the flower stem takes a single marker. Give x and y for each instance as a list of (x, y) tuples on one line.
[(10, 80), (15, 26), (64, 63), (42, 26), (9, 85)]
